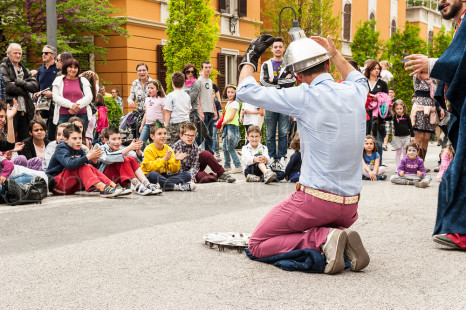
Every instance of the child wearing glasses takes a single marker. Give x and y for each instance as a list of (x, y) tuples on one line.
[(195, 163), (177, 108), (411, 170), (371, 169), (153, 109)]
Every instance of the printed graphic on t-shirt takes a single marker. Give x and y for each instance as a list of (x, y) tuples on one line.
[(277, 67)]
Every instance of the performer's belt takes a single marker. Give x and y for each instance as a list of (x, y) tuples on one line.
[(347, 200)]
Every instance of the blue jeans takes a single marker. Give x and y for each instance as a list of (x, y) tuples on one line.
[(210, 124), (215, 140), (272, 120), (22, 178), (231, 138), (167, 181), (145, 133), (65, 117)]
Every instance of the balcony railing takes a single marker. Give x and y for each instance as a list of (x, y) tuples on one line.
[(431, 4)]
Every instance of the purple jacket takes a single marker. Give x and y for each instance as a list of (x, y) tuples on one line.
[(412, 166)]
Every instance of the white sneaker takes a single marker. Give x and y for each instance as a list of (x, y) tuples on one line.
[(269, 176), (236, 170), (274, 164), (252, 178), (282, 163), (218, 157), (142, 190), (185, 187), (155, 189)]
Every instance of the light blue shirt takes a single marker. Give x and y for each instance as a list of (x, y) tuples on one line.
[(331, 120)]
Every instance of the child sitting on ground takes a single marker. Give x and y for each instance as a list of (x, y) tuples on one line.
[(256, 159), (161, 165), (446, 156), (411, 170), (153, 109), (32, 154), (50, 149), (293, 169), (77, 121), (371, 169), (195, 163), (177, 108), (124, 169), (71, 168)]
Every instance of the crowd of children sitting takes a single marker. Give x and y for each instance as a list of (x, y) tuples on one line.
[(173, 161)]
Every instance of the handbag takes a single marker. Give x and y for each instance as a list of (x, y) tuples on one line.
[(19, 194), (220, 121), (43, 103)]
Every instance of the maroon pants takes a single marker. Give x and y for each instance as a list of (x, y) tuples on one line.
[(122, 172), (70, 181), (301, 221), (207, 159)]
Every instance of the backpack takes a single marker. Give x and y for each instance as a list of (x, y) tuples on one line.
[(384, 102), (19, 194)]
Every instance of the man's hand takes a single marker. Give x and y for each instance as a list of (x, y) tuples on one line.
[(419, 174), (47, 94), (33, 72), (202, 115), (257, 47), (11, 111), (180, 156), (167, 156), (130, 103), (327, 44), (419, 64), (36, 95)]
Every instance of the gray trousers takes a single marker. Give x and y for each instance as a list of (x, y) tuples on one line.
[(409, 179)]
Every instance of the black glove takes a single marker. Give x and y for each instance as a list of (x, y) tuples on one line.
[(257, 47)]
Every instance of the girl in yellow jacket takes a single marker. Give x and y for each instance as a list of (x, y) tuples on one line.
[(161, 165)]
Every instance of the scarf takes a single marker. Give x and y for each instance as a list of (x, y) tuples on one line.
[(189, 82)]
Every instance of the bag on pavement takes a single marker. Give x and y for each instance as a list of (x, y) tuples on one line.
[(19, 194)]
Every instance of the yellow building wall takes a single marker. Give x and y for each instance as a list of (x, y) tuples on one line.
[(146, 32)]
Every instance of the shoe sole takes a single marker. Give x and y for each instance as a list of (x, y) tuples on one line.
[(421, 184), (125, 192), (270, 179), (339, 261), (446, 243), (355, 251)]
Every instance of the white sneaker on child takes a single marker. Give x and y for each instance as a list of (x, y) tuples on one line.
[(142, 190), (155, 189), (217, 157), (185, 187), (282, 164), (269, 176)]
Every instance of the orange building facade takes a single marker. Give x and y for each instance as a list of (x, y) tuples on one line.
[(146, 26)]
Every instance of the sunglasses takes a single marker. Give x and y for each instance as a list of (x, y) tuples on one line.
[(190, 72), (46, 53)]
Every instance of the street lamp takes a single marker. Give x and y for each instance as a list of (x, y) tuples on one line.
[(402, 60), (280, 19)]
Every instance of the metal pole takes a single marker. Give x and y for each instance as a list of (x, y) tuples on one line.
[(51, 13), (280, 19)]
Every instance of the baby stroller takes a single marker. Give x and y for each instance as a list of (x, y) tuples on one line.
[(129, 125)]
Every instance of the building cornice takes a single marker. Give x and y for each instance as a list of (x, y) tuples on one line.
[(130, 20)]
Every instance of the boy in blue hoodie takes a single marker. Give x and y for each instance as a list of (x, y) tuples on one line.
[(72, 169)]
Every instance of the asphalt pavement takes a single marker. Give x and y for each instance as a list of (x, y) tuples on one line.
[(86, 252)]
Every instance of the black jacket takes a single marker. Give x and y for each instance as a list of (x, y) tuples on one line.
[(29, 150), (16, 87)]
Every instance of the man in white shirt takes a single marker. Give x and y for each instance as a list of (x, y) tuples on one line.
[(207, 109)]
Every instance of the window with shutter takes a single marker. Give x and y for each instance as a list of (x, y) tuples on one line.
[(393, 28), (222, 72), (242, 8), (222, 6), (347, 22), (161, 68)]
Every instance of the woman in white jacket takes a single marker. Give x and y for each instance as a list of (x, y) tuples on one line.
[(72, 94)]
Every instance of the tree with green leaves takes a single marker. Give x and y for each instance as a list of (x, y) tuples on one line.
[(441, 41), (192, 34), (393, 52), (366, 43), (315, 18), (78, 22)]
